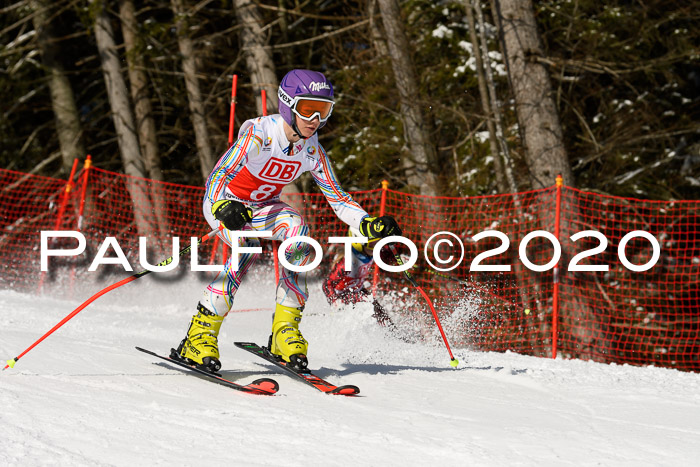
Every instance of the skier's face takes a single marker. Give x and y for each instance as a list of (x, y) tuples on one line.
[(307, 128)]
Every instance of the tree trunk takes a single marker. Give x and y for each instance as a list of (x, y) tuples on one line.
[(123, 122), (118, 97), (534, 102), (486, 104), (62, 98), (258, 58), (495, 104), (420, 174), (490, 103), (261, 67), (194, 95), (284, 33), (378, 41), (545, 153), (145, 124)]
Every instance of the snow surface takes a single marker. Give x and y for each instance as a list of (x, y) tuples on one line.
[(85, 396)]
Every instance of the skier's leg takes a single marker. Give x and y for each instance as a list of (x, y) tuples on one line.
[(286, 340), (218, 295), (200, 345)]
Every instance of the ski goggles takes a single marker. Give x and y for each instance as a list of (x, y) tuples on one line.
[(308, 108)]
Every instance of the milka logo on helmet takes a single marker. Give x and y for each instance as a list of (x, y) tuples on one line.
[(314, 86)]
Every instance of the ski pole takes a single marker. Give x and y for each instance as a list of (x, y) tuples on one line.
[(200, 240), (466, 283), (454, 362)]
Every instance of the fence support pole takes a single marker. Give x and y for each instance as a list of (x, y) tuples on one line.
[(232, 114), (61, 210), (81, 209), (66, 194), (83, 189), (382, 208), (555, 278), (231, 123), (275, 260)]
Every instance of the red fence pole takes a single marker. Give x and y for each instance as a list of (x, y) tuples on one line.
[(234, 85), (83, 189), (555, 292), (64, 198), (231, 118), (212, 257), (382, 208), (263, 95), (61, 210), (81, 209)]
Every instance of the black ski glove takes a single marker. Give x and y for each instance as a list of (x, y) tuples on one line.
[(233, 214), (379, 227)]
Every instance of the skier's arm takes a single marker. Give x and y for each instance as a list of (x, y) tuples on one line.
[(342, 203), (232, 162)]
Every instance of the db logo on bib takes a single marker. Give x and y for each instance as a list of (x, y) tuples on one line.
[(277, 170)]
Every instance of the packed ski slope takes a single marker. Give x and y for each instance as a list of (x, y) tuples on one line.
[(86, 397)]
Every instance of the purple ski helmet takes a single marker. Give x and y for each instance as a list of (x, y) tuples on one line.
[(298, 84)]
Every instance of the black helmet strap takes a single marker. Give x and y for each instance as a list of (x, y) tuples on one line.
[(296, 129)]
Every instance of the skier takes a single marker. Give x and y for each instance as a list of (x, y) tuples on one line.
[(351, 287), (242, 193)]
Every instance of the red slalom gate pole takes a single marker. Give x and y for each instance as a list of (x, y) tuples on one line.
[(234, 85), (81, 209), (66, 193), (11, 363), (382, 211), (275, 260), (231, 118), (453, 361), (61, 211)]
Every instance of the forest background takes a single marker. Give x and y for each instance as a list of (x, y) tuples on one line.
[(454, 98)]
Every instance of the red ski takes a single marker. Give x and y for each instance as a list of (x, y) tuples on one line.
[(305, 375), (264, 386)]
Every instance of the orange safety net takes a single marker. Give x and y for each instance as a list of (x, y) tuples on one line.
[(127, 208), (624, 316), (486, 309), (29, 204), (619, 315)]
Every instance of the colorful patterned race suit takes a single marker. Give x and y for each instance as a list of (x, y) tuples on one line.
[(254, 171)]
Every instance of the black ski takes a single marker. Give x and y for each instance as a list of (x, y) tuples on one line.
[(265, 386), (306, 376)]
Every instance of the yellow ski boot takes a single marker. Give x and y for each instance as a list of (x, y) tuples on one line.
[(286, 341), (201, 346)]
